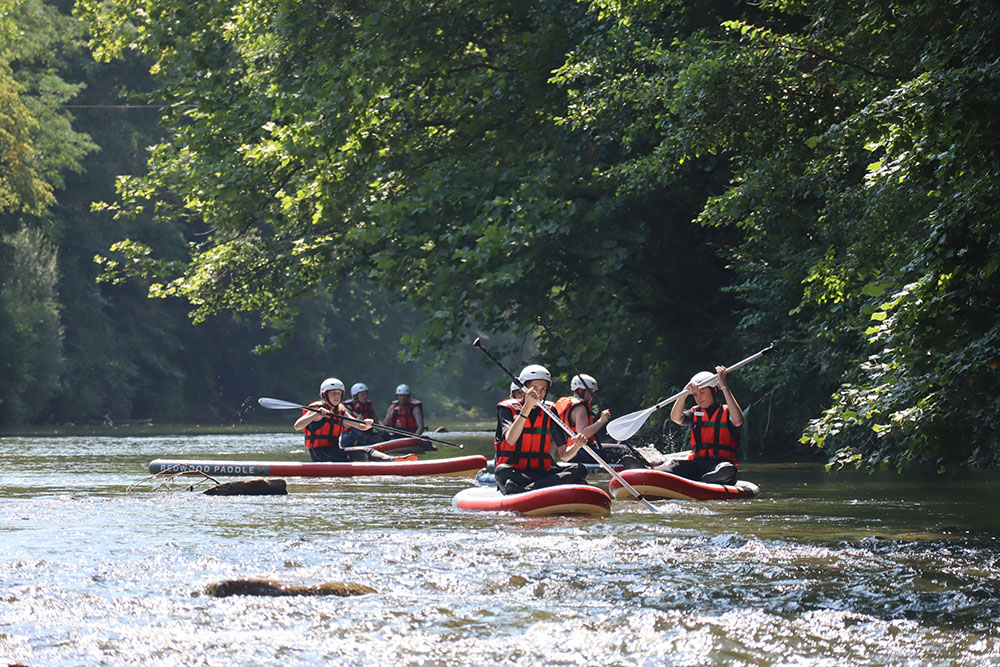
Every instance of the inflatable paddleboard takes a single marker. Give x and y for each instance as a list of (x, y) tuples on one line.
[(553, 500), (655, 484), (457, 466), (401, 446)]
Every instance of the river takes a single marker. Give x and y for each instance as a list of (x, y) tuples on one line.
[(819, 570)]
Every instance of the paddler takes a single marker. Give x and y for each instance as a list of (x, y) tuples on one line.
[(361, 407), (577, 411), (715, 430), (529, 439), (324, 425), (405, 413)]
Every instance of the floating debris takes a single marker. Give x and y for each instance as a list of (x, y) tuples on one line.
[(164, 480)]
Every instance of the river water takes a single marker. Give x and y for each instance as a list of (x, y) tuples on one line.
[(819, 570)]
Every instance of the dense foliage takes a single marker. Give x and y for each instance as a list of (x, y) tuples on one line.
[(73, 350), (668, 185), (862, 142), (422, 147)]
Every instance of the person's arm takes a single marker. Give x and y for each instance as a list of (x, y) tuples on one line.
[(572, 446), (418, 415), (677, 411), (517, 427), (308, 417), (580, 425), (354, 421), (735, 411), (388, 416)]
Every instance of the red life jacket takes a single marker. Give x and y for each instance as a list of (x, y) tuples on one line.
[(565, 407), (532, 449), (513, 406), (402, 416), (711, 435), (363, 410), (325, 432)]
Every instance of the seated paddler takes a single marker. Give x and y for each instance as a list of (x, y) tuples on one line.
[(325, 422), (714, 429), (577, 411), (361, 406), (524, 456)]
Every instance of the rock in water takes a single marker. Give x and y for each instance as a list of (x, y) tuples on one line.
[(261, 587), (250, 487)]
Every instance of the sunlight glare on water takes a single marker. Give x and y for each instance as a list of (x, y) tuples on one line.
[(819, 570)]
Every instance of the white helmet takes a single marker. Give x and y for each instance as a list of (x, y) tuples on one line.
[(330, 383), (583, 381), (535, 372), (357, 388), (705, 379), (403, 389), (515, 387)]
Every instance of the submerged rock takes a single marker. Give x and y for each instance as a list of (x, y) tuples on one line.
[(249, 487), (261, 587)]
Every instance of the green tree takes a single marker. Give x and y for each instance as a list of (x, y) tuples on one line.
[(422, 148), (38, 146), (862, 144)]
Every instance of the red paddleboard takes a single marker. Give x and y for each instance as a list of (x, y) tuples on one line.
[(553, 500), (461, 465), (401, 446), (655, 484)]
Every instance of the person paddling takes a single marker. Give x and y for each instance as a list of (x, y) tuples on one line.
[(524, 459), (405, 413), (323, 427), (361, 407), (715, 430), (577, 410)]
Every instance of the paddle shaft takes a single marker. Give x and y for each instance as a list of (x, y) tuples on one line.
[(565, 354), (715, 378), (601, 462), (278, 404)]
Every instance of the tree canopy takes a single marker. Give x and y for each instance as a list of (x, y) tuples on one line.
[(670, 185)]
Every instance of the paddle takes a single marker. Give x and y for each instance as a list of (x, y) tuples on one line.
[(626, 426), (278, 404), (601, 462)]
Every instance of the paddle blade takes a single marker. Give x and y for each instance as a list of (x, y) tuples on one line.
[(625, 427), (278, 404)]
